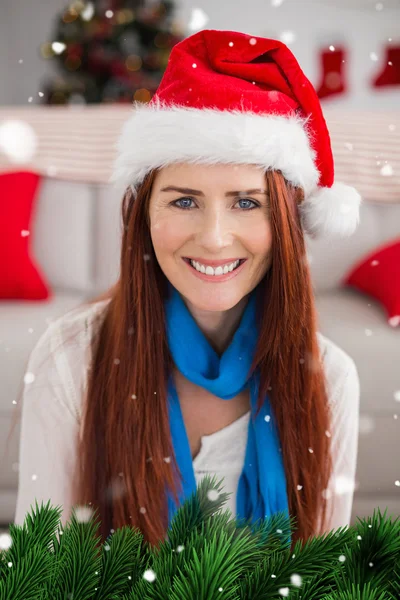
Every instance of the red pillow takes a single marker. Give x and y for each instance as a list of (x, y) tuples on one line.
[(20, 278), (378, 275)]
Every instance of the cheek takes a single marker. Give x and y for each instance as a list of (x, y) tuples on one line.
[(260, 239), (166, 236)]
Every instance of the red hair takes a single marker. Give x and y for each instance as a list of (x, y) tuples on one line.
[(125, 414)]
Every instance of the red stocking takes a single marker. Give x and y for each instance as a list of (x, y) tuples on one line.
[(391, 71), (332, 78)]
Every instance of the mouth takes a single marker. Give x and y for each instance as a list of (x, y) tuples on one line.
[(241, 261), (216, 278)]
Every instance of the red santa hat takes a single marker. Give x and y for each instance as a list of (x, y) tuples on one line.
[(229, 97)]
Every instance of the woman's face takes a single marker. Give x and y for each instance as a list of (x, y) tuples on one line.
[(213, 217)]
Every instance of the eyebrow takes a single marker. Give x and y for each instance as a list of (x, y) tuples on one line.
[(171, 188)]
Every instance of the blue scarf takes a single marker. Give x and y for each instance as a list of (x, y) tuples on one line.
[(262, 484)]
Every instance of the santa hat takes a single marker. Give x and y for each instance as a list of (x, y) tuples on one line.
[(229, 97)]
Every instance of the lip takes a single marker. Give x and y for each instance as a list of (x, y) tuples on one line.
[(214, 263), (215, 278)]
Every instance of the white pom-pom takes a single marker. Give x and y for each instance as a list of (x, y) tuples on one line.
[(333, 211)]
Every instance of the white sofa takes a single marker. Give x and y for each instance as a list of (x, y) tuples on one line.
[(76, 236)]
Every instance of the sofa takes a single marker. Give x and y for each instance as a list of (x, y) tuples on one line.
[(76, 236)]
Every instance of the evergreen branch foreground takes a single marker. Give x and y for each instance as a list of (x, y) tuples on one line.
[(206, 555)]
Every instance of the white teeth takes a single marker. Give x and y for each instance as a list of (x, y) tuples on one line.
[(217, 271)]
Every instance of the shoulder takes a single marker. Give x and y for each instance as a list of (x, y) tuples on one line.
[(81, 317), (62, 355), (341, 375), (71, 330)]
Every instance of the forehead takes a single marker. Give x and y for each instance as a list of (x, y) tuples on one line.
[(206, 177)]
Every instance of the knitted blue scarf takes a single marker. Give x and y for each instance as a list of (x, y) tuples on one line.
[(262, 484)]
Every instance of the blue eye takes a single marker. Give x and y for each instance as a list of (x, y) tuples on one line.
[(180, 200), (174, 203)]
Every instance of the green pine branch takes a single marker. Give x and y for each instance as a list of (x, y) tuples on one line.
[(207, 554)]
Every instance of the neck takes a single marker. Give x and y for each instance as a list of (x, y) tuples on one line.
[(218, 326)]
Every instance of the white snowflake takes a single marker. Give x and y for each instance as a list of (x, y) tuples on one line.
[(149, 575), (212, 495), (18, 141), (287, 37), (29, 378), (198, 19), (58, 47), (83, 514), (387, 170), (296, 579), (5, 541)]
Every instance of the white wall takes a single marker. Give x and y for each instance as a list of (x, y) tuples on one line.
[(25, 24)]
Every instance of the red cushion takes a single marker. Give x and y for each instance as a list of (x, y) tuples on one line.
[(378, 276), (20, 277)]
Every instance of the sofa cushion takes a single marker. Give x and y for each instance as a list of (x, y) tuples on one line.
[(358, 325), (21, 277), (65, 228), (331, 258), (378, 275), (21, 325)]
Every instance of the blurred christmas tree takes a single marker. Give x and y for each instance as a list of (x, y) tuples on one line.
[(110, 51)]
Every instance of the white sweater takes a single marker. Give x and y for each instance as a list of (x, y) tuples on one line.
[(52, 409)]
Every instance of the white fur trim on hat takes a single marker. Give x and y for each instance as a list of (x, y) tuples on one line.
[(155, 137)]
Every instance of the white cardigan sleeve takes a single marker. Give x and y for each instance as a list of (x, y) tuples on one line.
[(49, 425), (344, 396)]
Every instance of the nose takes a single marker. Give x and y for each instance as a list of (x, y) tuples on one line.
[(215, 230)]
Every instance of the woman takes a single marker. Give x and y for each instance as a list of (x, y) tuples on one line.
[(205, 355)]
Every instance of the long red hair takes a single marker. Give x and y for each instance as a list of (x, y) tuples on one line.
[(125, 414)]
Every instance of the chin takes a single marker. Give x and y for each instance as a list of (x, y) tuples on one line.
[(212, 298)]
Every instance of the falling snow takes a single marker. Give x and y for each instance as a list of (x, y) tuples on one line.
[(387, 170), (296, 579), (287, 37), (198, 19), (149, 575), (18, 141), (83, 514), (366, 424), (212, 495), (5, 541)]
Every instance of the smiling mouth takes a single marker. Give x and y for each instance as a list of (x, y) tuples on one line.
[(241, 261)]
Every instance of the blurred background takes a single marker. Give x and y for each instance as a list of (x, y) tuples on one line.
[(70, 72), (107, 50)]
